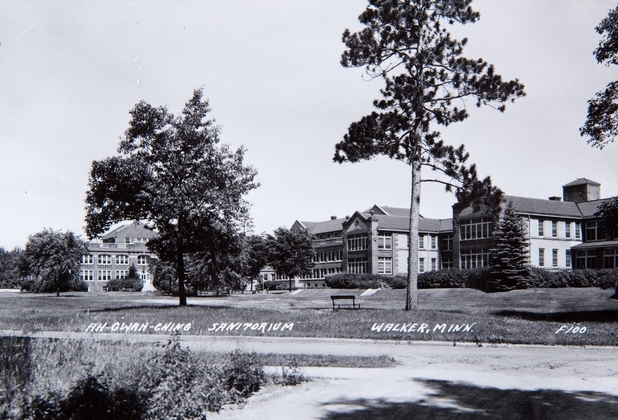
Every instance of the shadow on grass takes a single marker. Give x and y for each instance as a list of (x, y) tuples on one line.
[(462, 401), (607, 315), (153, 307)]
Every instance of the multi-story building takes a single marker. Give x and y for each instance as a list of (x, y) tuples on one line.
[(562, 233), (111, 256)]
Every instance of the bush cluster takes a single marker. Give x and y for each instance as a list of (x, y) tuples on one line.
[(354, 281), (276, 285), (478, 278), (136, 383), (124, 285), (543, 278), (37, 286)]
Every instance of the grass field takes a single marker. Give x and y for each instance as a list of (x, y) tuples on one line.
[(572, 316)]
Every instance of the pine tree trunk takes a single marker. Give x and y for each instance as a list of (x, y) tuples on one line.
[(415, 202)]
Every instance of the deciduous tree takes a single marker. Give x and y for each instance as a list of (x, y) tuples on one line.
[(290, 252), (407, 45), (53, 259), (510, 265), (601, 126), (173, 173), (9, 268)]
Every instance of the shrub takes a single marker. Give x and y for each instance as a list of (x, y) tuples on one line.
[(276, 285), (400, 281), (355, 281), (122, 285), (37, 286), (244, 375)]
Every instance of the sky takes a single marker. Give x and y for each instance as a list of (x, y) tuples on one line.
[(72, 70)]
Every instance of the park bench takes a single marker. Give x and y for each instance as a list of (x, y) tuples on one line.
[(344, 297)]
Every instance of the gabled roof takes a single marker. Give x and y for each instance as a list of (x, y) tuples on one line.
[(540, 207), (315, 228), (589, 208), (129, 229), (581, 181)]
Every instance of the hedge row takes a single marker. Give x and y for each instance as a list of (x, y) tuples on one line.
[(478, 278), (124, 285)]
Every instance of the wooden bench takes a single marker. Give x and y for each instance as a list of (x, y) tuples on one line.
[(344, 297)]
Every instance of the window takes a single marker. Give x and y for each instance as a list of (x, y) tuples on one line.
[(86, 275), (554, 258), (357, 242), (87, 259), (122, 260), (385, 265), (434, 264), (447, 243), (357, 265), (421, 265), (567, 229), (447, 263), (541, 257), (104, 259), (128, 240), (610, 257), (554, 229), (122, 274), (578, 230), (103, 275), (568, 258), (475, 229), (595, 230), (586, 259), (473, 259), (421, 241), (434, 242), (541, 223), (142, 259), (385, 241)]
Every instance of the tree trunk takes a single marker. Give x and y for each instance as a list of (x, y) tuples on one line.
[(290, 283), (180, 271), (415, 203)]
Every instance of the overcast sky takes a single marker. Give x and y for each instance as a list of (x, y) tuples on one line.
[(71, 71)]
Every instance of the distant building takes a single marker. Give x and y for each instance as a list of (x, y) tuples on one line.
[(111, 256), (563, 233)]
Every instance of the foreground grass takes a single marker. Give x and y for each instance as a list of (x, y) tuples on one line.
[(544, 316)]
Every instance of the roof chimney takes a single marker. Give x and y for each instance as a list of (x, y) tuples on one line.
[(555, 198)]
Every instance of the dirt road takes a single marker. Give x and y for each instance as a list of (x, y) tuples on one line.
[(433, 380)]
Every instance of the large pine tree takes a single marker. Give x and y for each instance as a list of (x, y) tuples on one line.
[(427, 81), (510, 267)]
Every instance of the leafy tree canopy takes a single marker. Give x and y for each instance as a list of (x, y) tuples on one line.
[(608, 209), (601, 126), (290, 252), (172, 173), (53, 258), (427, 80)]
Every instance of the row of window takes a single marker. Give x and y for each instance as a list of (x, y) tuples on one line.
[(588, 259), (421, 264), (105, 259), (328, 256), (555, 225), (554, 257), (475, 229), (105, 275)]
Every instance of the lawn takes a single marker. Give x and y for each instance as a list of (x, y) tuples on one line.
[(572, 316)]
